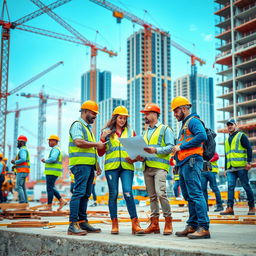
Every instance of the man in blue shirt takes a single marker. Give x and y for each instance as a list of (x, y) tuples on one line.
[(2, 177)]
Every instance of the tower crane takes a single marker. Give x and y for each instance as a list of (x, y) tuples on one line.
[(6, 26)]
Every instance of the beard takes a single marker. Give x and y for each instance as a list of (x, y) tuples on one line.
[(90, 119), (147, 121), (181, 117)]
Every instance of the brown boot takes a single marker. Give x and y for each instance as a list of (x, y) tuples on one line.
[(153, 226), (168, 226), (252, 211), (136, 229), (201, 233), (48, 207), (62, 204), (228, 211), (188, 229), (115, 228)]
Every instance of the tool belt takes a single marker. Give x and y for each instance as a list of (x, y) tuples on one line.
[(207, 167)]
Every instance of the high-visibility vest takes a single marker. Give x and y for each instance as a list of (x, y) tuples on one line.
[(23, 167), (84, 156), (215, 167), (115, 152), (54, 168), (72, 177), (176, 177), (4, 167), (236, 154), (161, 161), (185, 136)]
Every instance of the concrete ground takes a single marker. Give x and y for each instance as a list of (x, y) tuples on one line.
[(226, 239)]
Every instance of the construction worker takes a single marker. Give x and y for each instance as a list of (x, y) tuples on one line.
[(160, 140), (209, 174), (53, 170), (22, 166), (189, 158), (118, 165), (6, 180), (238, 157), (83, 163), (2, 176)]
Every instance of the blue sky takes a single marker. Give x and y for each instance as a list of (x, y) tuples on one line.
[(190, 23)]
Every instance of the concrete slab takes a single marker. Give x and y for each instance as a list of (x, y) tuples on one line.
[(226, 240)]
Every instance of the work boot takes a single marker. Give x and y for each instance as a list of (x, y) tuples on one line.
[(153, 226), (74, 229), (218, 208), (188, 229), (168, 226), (48, 207), (228, 211), (62, 204), (136, 229), (200, 233), (84, 225), (115, 227), (252, 211)]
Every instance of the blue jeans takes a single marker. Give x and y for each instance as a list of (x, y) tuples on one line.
[(1, 192), (21, 187), (190, 183), (84, 175), (126, 177), (51, 190), (176, 188), (232, 178), (211, 178), (94, 193)]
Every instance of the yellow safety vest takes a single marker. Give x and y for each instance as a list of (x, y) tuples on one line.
[(215, 167), (82, 156), (176, 177), (236, 154), (54, 168), (115, 152), (72, 177), (161, 161)]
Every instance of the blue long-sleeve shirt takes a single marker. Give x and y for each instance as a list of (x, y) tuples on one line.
[(168, 139), (197, 129), (53, 157), (22, 156)]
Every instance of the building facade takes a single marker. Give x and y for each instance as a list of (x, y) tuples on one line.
[(103, 85), (142, 57), (236, 59)]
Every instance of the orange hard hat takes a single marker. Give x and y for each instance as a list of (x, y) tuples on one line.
[(5, 158), (151, 107), (1, 155), (120, 110), (22, 138), (54, 137), (179, 101), (90, 105)]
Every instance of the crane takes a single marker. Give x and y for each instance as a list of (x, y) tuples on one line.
[(6, 26), (93, 46), (42, 119), (16, 121)]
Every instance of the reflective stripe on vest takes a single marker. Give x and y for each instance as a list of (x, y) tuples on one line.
[(185, 136), (115, 152), (23, 167), (176, 177), (72, 177), (215, 167), (236, 154), (161, 161), (78, 155), (54, 168)]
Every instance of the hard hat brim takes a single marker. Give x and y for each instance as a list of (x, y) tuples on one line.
[(122, 114), (97, 112)]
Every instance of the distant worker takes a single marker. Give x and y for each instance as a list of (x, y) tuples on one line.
[(94, 196), (7, 181), (22, 167), (5, 159), (238, 157), (209, 174), (118, 165), (2, 176), (160, 140), (83, 163), (53, 170), (189, 157)]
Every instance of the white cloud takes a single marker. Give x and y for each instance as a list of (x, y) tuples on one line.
[(207, 37), (193, 27)]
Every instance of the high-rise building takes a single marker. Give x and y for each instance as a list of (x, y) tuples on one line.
[(236, 34), (154, 56), (103, 85), (200, 95)]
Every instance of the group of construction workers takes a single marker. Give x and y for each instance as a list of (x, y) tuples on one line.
[(187, 153)]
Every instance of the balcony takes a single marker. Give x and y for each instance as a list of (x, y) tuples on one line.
[(225, 71), (247, 49), (248, 90), (226, 35), (227, 96), (242, 3), (224, 11), (224, 47), (247, 63), (224, 58), (246, 11), (247, 103), (247, 116), (227, 83), (249, 75), (223, 23), (247, 25), (227, 108), (223, 2), (247, 37)]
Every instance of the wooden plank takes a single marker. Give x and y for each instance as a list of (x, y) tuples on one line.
[(38, 225), (5, 206)]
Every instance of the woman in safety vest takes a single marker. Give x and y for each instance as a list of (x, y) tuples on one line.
[(118, 164)]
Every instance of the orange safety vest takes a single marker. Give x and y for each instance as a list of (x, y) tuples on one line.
[(23, 167), (4, 167), (185, 136)]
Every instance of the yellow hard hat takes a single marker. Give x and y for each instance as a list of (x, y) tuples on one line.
[(120, 110), (179, 101), (54, 137), (90, 105), (5, 159)]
